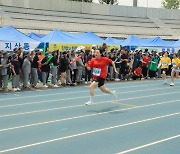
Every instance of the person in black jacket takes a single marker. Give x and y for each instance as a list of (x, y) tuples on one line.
[(45, 68), (34, 68), (64, 64), (55, 64)]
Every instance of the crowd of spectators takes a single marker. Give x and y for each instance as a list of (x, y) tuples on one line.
[(27, 70)]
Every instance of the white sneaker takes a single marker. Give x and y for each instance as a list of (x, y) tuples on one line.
[(172, 84), (45, 86), (88, 103), (114, 93), (86, 82), (117, 80), (14, 89), (55, 86), (18, 89)]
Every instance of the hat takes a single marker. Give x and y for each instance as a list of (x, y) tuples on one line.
[(64, 52), (15, 49), (26, 53), (80, 48)]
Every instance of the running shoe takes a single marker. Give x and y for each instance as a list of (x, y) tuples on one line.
[(88, 103), (114, 93), (172, 84)]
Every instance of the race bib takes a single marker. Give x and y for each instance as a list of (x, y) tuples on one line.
[(174, 64), (96, 71), (164, 64)]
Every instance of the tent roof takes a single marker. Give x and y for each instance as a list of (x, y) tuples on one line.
[(114, 41), (10, 34), (35, 36)]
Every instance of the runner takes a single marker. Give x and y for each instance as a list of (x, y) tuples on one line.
[(99, 68), (175, 68), (164, 64)]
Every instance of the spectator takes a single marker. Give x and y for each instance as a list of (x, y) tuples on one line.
[(87, 58), (15, 67), (55, 64), (145, 61), (137, 74), (45, 68), (26, 68), (4, 71)]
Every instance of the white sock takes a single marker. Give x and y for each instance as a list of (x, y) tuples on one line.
[(91, 98), (111, 93)]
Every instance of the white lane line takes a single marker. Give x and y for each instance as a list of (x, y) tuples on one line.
[(89, 132), (55, 100), (87, 115), (59, 93), (150, 144), (74, 106)]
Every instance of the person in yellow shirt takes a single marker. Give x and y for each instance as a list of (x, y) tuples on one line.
[(164, 64), (175, 68)]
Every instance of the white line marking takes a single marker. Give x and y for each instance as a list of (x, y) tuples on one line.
[(87, 115), (150, 144), (39, 102), (59, 93), (87, 133)]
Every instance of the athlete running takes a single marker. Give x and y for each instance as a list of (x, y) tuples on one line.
[(99, 65), (175, 68), (164, 64)]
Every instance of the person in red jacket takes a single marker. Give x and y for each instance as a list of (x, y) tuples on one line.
[(99, 65), (145, 62), (137, 73)]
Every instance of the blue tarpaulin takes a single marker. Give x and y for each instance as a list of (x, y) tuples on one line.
[(114, 41), (141, 42), (87, 38), (176, 44), (158, 42), (35, 36), (10, 34), (57, 36)]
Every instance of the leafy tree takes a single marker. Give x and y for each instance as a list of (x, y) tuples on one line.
[(112, 2), (171, 4)]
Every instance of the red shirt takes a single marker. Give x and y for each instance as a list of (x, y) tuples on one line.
[(145, 59), (99, 67), (138, 71)]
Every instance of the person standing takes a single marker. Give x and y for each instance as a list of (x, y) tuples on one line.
[(45, 68), (34, 69), (55, 63), (4, 71), (15, 67), (26, 68), (87, 58)]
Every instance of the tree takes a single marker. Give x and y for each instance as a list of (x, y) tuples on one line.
[(111, 2), (171, 4)]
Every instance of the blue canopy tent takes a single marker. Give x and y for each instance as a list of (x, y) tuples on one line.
[(158, 42), (35, 36), (131, 41), (10, 34), (11, 38), (57, 36), (86, 38), (111, 40), (176, 44)]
